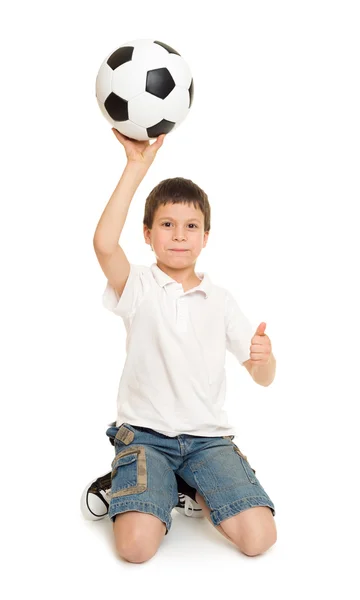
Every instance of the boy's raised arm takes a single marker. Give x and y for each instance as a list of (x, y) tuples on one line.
[(110, 255)]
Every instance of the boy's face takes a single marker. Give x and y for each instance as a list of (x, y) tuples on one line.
[(177, 227)]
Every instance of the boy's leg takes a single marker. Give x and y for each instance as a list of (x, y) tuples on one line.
[(138, 535), (143, 493), (240, 508), (238, 525), (200, 500)]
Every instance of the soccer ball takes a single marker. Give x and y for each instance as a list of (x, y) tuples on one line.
[(144, 89)]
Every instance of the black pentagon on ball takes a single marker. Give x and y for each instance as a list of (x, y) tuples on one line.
[(166, 47), (163, 126), (120, 57), (117, 107), (191, 92), (159, 83)]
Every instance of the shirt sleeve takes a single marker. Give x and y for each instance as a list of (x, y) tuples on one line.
[(239, 330), (137, 284)]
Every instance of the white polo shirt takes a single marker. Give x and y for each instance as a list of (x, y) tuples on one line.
[(174, 378)]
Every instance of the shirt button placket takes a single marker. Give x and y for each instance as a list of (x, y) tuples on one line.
[(181, 317)]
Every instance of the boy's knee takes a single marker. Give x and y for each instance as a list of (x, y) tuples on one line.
[(137, 536), (135, 550)]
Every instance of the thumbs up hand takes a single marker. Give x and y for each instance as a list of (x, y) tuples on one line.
[(260, 349)]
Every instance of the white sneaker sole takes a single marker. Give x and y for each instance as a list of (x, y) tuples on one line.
[(196, 513)]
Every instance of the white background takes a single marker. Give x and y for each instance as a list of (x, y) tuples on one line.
[(273, 138)]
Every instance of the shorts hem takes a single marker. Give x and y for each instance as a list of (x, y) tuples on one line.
[(230, 510), (144, 507)]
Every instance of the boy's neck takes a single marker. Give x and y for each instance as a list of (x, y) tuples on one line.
[(187, 277)]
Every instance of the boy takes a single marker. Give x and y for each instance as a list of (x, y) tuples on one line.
[(170, 420)]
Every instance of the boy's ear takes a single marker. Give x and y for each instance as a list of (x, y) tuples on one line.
[(146, 234), (147, 237)]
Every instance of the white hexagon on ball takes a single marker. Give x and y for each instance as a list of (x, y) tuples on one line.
[(179, 70), (131, 130), (146, 110), (129, 80), (149, 55), (176, 105)]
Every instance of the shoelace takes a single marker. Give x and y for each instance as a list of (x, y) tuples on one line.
[(104, 482)]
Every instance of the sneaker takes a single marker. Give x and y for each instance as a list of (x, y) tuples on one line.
[(188, 507), (95, 498)]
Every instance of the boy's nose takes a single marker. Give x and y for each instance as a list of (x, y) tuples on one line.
[(179, 236)]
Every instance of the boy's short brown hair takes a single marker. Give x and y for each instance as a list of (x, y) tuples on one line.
[(176, 190)]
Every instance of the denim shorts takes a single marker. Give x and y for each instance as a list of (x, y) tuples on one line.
[(143, 474)]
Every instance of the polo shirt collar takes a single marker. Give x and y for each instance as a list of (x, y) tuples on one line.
[(163, 279)]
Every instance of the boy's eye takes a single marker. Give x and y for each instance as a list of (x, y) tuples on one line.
[(168, 223)]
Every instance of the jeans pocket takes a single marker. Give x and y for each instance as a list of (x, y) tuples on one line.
[(250, 472), (129, 473)]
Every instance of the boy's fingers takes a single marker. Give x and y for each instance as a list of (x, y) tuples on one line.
[(159, 141), (124, 139), (119, 135), (115, 132)]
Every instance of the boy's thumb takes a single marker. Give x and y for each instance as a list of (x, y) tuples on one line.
[(261, 329)]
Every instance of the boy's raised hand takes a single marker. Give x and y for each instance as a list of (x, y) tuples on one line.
[(260, 349), (139, 151)]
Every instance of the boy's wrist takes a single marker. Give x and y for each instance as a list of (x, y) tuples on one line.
[(137, 166), (134, 172)]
